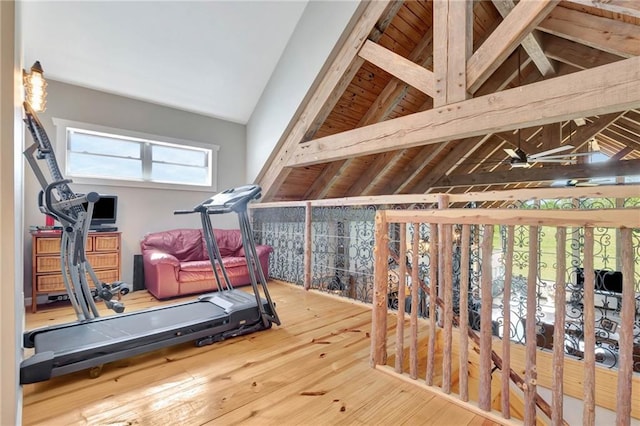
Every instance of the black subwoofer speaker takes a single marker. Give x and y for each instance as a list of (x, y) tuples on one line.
[(138, 273)]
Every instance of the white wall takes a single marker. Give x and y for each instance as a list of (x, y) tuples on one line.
[(139, 210), (316, 34)]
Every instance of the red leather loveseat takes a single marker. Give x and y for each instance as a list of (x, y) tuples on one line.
[(176, 262)]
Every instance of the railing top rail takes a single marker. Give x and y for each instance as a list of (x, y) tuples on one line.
[(608, 218), (608, 191)]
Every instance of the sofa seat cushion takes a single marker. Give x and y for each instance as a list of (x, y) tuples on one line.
[(196, 266), (199, 270)]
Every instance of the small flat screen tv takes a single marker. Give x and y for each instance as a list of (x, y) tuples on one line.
[(607, 281), (105, 211)]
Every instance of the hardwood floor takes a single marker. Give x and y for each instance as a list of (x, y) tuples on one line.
[(313, 369)]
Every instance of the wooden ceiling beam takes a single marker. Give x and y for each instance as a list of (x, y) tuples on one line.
[(547, 173), (575, 54), (401, 180), (460, 149), (399, 67), (621, 39), (591, 92), (530, 43), (584, 133), (275, 171), (621, 154), (352, 70), (384, 105), (623, 7), (453, 44), (504, 40)]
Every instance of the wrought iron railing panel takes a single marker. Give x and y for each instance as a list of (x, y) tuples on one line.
[(342, 259)]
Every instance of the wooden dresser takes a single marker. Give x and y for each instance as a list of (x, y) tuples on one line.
[(103, 253)]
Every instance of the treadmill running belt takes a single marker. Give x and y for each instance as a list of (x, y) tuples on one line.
[(130, 327)]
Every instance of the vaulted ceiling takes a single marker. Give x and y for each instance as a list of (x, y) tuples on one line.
[(424, 96)]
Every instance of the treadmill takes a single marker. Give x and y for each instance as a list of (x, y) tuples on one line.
[(92, 340)]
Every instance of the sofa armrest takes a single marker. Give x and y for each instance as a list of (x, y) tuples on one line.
[(161, 273), (156, 257)]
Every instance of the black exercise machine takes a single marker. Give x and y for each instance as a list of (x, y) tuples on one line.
[(92, 340)]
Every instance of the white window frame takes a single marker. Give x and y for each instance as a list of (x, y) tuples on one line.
[(62, 149)]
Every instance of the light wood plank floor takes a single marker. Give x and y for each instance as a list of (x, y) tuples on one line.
[(312, 370)]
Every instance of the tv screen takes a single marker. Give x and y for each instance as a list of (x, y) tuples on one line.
[(105, 210), (609, 281)]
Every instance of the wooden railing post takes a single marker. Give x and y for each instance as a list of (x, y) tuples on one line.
[(625, 369), (380, 273)]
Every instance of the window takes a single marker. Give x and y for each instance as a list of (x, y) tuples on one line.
[(98, 155)]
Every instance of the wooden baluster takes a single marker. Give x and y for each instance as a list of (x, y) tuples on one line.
[(588, 413), (484, 397), (402, 279), (464, 312), (557, 380), (307, 245), (433, 278), (380, 274), (415, 303), (506, 330), (531, 374), (447, 251), (625, 366)]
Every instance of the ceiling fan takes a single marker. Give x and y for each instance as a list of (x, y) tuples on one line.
[(521, 159)]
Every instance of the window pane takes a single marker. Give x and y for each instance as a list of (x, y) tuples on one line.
[(173, 155), (100, 166), (95, 144), (179, 174)]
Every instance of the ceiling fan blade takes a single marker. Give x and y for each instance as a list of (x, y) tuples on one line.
[(512, 153), (560, 156), (551, 151), (554, 160)]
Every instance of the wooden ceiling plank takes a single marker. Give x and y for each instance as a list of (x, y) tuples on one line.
[(329, 175), (547, 173), (509, 34), (373, 174), (275, 171), (398, 66), (623, 7), (591, 92), (551, 136), (620, 137), (576, 54), (621, 39), (530, 43)]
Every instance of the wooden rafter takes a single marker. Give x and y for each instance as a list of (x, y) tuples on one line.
[(275, 172), (597, 91), (621, 39), (530, 43), (400, 67), (575, 171), (623, 7), (575, 54), (509, 34)]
